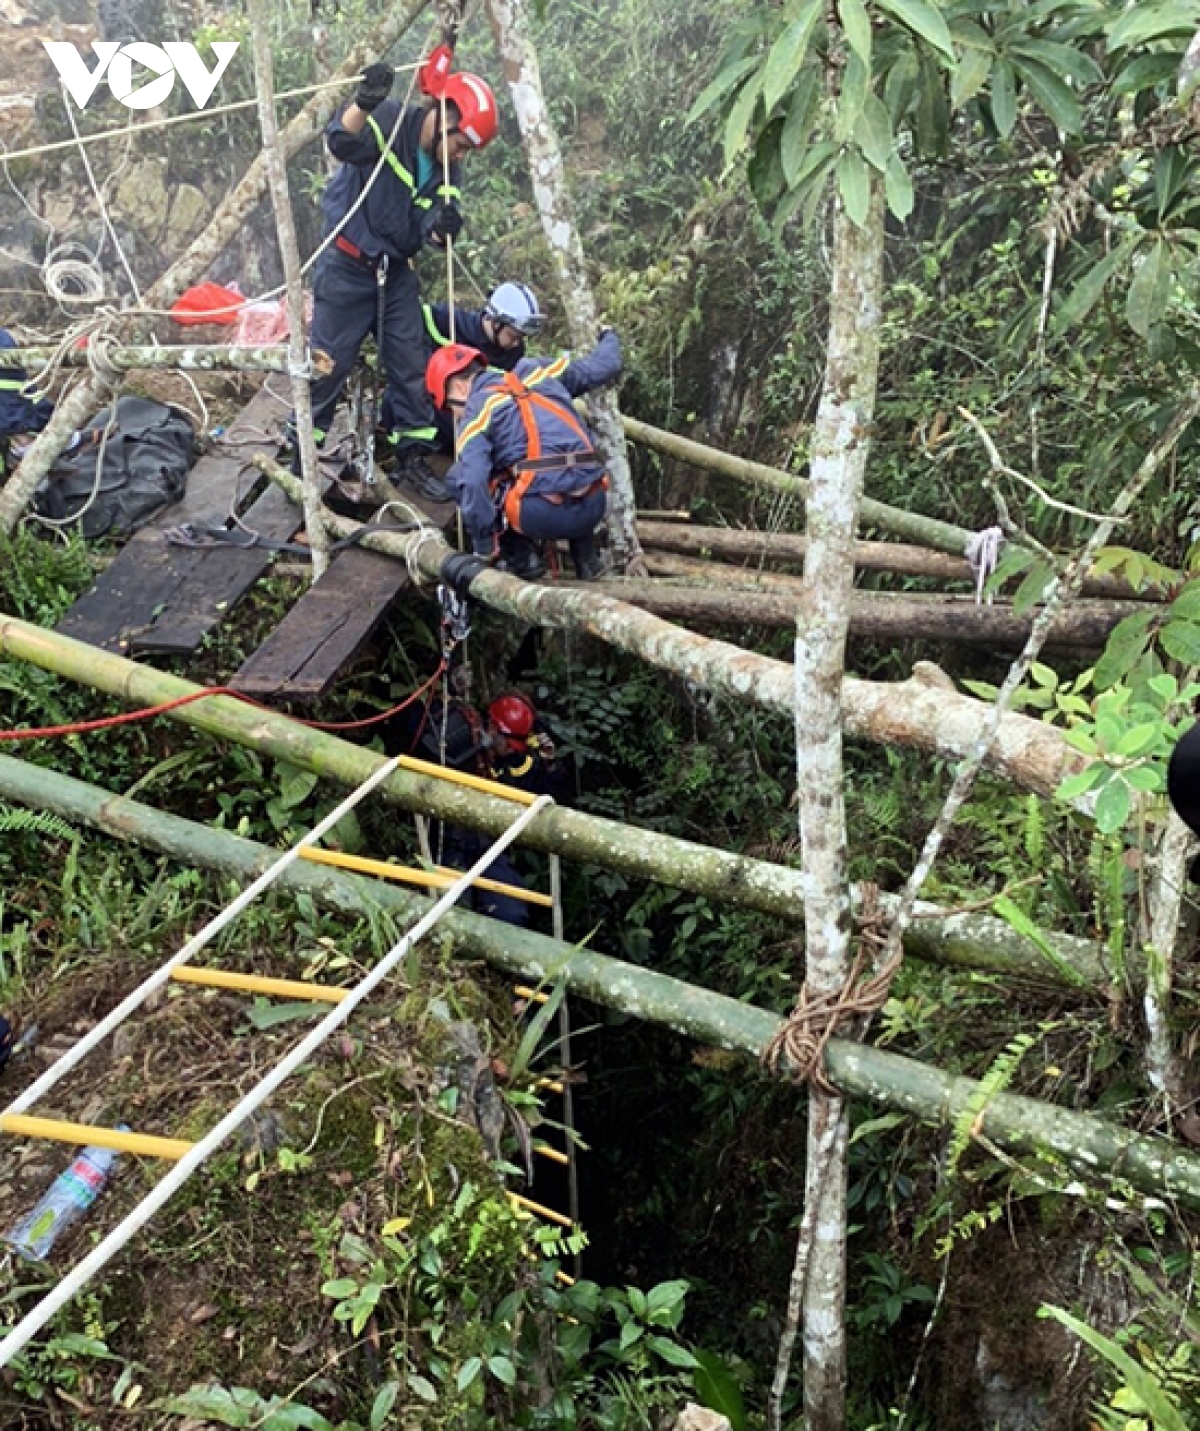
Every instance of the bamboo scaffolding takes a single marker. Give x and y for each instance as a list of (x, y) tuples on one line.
[(1091, 1147), (967, 940)]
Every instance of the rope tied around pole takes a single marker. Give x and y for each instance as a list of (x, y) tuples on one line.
[(801, 1039)]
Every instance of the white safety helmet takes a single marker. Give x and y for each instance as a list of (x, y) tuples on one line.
[(515, 306)]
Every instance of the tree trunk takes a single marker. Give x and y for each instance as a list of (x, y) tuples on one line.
[(1164, 1067), (788, 548), (924, 712), (510, 26), (289, 253), (1092, 1147), (91, 394), (926, 531), (967, 940), (840, 444), (876, 616)]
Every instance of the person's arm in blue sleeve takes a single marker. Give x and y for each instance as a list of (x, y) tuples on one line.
[(445, 196), (361, 148), (602, 365), (470, 478)]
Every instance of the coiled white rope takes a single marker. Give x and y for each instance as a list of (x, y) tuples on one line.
[(983, 556)]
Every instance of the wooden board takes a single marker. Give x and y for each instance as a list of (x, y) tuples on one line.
[(130, 607), (325, 629)]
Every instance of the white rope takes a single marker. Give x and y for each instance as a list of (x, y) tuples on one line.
[(80, 1276), (71, 280), (983, 555), (198, 941)]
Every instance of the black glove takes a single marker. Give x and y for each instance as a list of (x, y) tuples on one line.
[(447, 222), (375, 86)]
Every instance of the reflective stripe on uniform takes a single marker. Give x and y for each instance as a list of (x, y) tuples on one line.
[(385, 149), (432, 328)]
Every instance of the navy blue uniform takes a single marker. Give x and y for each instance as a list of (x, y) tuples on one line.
[(468, 329), (391, 226), (563, 498), (18, 413)]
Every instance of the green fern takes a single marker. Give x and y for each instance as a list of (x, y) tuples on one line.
[(1035, 831), (994, 1081), (35, 822)]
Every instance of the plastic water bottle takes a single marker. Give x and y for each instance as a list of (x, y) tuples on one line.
[(64, 1203)]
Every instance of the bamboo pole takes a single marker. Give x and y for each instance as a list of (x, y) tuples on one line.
[(289, 253), (876, 616), (204, 357), (925, 531), (1090, 1146), (789, 548), (966, 940), (924, 712)]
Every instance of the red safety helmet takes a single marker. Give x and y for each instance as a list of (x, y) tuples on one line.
[(512, 715), (453, 358), (476, 105)]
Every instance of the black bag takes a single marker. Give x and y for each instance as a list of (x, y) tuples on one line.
[(147, 456)]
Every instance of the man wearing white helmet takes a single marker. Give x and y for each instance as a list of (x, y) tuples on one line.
[(498, 330)]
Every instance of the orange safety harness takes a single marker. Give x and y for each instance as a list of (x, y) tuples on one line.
[(513, 486)]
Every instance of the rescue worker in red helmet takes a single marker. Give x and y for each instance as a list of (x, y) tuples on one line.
[(527, 468), (409, 204), (520, 751)]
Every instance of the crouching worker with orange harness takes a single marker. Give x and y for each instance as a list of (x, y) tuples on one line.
[(527, 468)]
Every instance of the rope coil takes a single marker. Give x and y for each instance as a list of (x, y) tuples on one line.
[(801, 1040)]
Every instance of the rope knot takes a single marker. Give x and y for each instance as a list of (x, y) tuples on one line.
[(800, 1041)]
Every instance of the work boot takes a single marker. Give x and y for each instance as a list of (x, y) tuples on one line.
[(590, 562), (414, 472), (519, 556)]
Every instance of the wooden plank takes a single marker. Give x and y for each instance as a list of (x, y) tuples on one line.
[(147, 576), (325, 629), (214, 585)]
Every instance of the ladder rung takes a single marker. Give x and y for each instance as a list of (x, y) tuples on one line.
[(527, 1205), (472, 782), (258, 984), (553, 1154), (523, 991), (565, 1279), (26, 1126), (551, 1085), (441, 878)]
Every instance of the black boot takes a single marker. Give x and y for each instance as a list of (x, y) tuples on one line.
[(519, 556), (414, 472), (590, 562)]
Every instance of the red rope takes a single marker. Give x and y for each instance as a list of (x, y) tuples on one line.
[(48, 732)]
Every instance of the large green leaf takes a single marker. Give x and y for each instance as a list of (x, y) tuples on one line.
[(738, 123), (1143, 72), (1171, 167), (874, 132), (1004, 98), (1113, 806), (1052, 94), (854, 185), (922, 19), (809, 186), (797, 128), (1141, 1382), (1148, 21), (970, 75), (788, 54), (1181, 641), (1086, 293), (856, 86), (1125, 647), (717, 1389), (898, 187), (726, 80), (1066, 60), (856, 24), (1146, 301)]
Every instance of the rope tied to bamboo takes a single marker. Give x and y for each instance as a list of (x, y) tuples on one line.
[(801, 1039)]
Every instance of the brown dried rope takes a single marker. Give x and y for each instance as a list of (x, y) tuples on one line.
[(803, 1036)]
